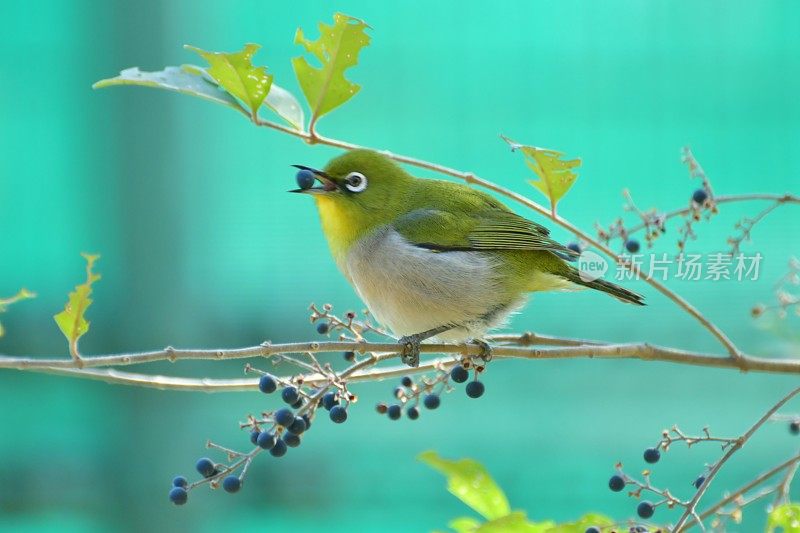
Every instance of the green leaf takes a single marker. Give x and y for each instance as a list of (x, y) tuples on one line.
[(555, 176), (464, 524), (279, 100), (71, 320), (582, 524), (469, 481), (23, 294), (337, 49), (173, 79), (785, 516), (235, 73), (515, 522)]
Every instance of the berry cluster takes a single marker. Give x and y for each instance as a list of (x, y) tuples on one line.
[(429, 391)]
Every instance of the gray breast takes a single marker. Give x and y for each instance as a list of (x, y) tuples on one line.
[(412, 289)]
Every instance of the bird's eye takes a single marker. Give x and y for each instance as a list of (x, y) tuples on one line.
[(355, 182)]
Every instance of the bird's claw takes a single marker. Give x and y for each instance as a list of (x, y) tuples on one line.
[(410, 353), (486, 350)]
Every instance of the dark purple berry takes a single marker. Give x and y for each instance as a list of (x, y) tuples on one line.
[(652, 455), (279, 450), (305, 179), (267, 384), (394, 412), (205, 467), (406, 381), (231, 484), (329, 400), (291, 440), (475, 389), (180, 481), (178, 495), (699, 482), (632, 245), (290, 395), (645, 509), (700, 196), (794, 427), (284, 417), (349, 356), (298, 426), (338, 414), (431, 401), (459, 374), (412, 413), (323, 328), (266, 440), (616, 483), (254, 436)]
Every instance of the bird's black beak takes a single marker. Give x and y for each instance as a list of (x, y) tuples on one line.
[(327, 183)]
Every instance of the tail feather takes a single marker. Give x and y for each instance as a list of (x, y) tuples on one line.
[(616, 291)]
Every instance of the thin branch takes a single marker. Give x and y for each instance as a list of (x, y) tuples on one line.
[(387, 351), (690, 509)]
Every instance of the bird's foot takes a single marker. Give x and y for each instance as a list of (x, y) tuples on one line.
[(486, 350), (410, 353)]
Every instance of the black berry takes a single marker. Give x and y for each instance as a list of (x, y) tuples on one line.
[(700, 196), (179, 481), (459, 374), (632, 245), (592, 529), (267, 384), (305, 179), (349, 356), (412, 413), (231, 484), (616, 483), (329, 400), (291, 440), (266, 440), (284, 417), (699, 482), (406, 381), (652, 455), (290, 395), (794, 427), (431, 401), (475, 389), (205, 467), (254, 436), (394, 412), (279, 450), (338, 414), (298, 426), (323, 328), (178, 495), (645, 509), (298, 404)]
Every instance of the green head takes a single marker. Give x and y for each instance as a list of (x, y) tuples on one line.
[(357, 192)]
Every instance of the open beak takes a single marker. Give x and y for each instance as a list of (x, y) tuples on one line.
[(327, 183)]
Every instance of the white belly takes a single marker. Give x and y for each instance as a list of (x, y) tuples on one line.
[(412, 290)]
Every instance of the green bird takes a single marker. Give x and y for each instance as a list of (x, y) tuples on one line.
[(433, 259)]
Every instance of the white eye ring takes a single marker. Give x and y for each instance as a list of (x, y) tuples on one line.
[(355, 182)]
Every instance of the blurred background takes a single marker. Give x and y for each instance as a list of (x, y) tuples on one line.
[(202, 247)]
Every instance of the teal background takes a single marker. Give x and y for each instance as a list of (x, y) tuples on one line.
[(201, 247)]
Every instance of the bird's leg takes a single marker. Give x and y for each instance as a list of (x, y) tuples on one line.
[(486, 350), (410, 344)]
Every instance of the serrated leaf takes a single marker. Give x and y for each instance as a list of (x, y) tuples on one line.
[(337, 49), (555, 176), (464, 524), (23, 294), (469, 481), (173, 79), (515, 522), (72, 320), (582, 524), (235, 73), (785, 516), (278, 99)]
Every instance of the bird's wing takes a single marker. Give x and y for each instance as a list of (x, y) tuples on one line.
[(491, 229)]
